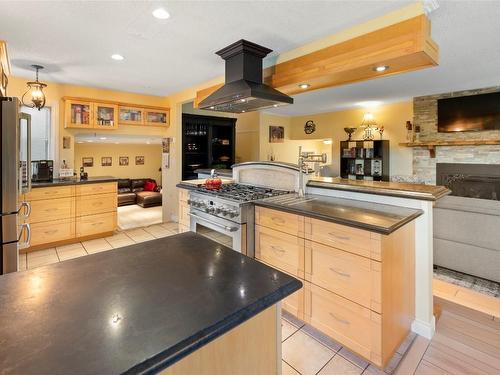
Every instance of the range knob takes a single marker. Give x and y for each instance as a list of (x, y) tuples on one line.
[(189, 202), (233, 213)]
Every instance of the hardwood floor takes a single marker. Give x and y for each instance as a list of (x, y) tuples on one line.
[(466, 342)]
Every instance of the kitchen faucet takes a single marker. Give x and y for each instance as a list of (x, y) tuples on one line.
[(304, 158)]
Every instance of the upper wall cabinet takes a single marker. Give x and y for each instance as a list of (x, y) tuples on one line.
[(107, 115), (156, 117), (131, 116), (78, 114)]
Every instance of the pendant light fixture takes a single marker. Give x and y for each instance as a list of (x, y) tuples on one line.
[(35, 92)]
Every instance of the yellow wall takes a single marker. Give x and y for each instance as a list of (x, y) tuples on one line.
[(150, 169), (331, 125), (55, 91), (247, 137), (288, 151)]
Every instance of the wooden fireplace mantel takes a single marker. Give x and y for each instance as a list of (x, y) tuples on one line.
[(431, 145)]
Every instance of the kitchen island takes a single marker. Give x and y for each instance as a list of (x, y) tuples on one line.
[(71, 210), (180, 305)]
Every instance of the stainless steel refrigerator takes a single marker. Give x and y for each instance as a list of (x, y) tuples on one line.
[(15, 181)]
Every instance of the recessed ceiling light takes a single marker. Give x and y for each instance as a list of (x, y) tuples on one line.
[(304, 86), (161, 14), (381, 68), (117, 57), (243, 100), (212, 107), (275, 105), (243, 111), (103, 138)]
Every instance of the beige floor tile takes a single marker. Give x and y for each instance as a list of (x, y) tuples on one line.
[(171, 225), (286, 369), (354, 358), (23, 262), (71, 246), (340, 365), (119, 240), (65, 252), (96, 246), (287, 329), (49, 257), (305, 354), (134, 216), (139, 235), (158, 231), (41, 253)]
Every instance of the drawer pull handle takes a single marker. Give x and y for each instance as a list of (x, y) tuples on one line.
[(343, 238), (53, 231), (343, 321), (277, 249), (98, 223), (278, 220), (340, 273)]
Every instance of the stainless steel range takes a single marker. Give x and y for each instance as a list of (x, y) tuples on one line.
[(229, 211)]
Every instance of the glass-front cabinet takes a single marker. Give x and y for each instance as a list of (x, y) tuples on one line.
[(156, 117), (105, 116), (78, 114), (131, 116)]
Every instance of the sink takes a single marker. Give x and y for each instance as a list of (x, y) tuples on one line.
[(290, 199)]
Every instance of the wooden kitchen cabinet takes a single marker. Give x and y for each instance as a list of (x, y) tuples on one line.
[(184, 219), (156, 117), (71, 213), (131, 115), (78, 114), (359, 285), (105, 116)]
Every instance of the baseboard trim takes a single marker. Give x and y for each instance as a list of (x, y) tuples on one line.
[(424, 329)]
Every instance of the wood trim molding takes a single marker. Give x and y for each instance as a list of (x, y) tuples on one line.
[(431, 145), (404, 46)]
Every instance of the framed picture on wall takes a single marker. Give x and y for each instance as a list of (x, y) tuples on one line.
[(106, 161), (88, 161), (276, 134), (139, 160), (123, 160)]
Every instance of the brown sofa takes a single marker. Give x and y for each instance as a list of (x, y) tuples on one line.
[(131, 191)]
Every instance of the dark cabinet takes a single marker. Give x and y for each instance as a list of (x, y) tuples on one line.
[(365, 160), (207, 142)]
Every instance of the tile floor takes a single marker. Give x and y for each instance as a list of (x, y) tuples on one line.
[(306, 351), (134, 216)]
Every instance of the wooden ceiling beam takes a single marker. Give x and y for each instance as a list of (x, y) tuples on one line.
[(404, 46)]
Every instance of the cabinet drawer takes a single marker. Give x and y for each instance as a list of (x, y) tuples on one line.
[(352, 276), (95, 224), (280, 250), (49, 210), (52, 231), (50, 193), (278, 220), (350, 239), (95, 204), (89, 189), (356, 327)]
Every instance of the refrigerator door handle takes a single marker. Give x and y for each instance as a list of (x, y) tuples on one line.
[(27, 117), (24, 227)]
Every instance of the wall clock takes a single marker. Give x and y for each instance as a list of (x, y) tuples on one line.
[(309, 127)]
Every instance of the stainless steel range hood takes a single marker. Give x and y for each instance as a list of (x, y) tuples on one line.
[(244, 90)]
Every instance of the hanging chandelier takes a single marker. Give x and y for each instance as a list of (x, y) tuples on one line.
[(35, 92)]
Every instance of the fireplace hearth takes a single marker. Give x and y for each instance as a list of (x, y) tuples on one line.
[(481, 181)]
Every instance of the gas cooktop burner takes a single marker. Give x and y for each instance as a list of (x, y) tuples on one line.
[(243, 193)]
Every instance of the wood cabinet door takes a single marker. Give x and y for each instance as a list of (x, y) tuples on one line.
[(78, 114), (52, 231), (156, 117), (131, 115), (105, 116)]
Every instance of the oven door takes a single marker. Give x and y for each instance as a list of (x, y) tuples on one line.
[(220, 225)]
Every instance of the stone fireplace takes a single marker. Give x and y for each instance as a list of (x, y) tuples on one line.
[(480, 181)]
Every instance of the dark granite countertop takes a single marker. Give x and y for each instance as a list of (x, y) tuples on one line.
[(395, 189), (137, 309), (375, 217), (74, 181), (220, 172)]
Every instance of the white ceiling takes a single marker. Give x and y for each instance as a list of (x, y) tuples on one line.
[(74, 40)]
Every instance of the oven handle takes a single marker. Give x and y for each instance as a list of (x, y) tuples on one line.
[(226, 228)]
